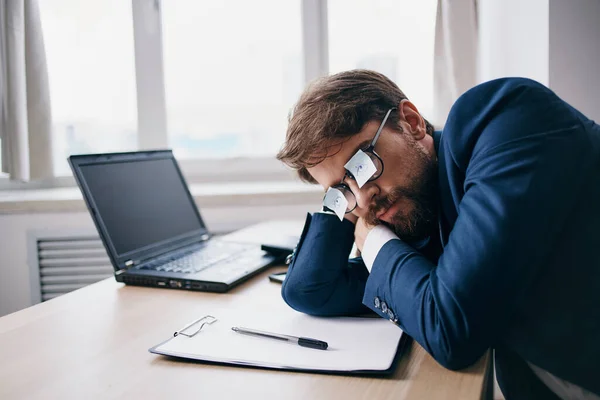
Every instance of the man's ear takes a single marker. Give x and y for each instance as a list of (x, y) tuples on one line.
[(411, 119)]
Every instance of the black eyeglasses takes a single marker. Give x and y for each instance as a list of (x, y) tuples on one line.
[(354, 170)]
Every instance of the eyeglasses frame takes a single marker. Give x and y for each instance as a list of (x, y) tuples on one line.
[(370, 149)]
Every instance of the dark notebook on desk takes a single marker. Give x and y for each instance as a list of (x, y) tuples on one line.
[(151, 227)]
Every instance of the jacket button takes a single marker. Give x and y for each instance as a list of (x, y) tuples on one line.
[(391, 314), (377, 302), (290, 258), (384, 307)]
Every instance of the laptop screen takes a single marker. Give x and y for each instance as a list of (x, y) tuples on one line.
[(141, 202)]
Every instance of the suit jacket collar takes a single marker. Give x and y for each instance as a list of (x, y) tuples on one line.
[(437, 137)]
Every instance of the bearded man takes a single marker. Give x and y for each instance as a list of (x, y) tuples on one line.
[(483, 235)]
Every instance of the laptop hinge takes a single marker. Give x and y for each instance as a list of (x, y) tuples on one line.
[(128, 264)]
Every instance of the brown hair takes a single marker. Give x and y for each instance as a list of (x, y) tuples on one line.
[(333, 109)]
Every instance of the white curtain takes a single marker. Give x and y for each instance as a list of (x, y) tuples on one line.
[(455, 61), (25, 119)]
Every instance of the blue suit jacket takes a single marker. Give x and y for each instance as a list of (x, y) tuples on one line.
[(519, 176)]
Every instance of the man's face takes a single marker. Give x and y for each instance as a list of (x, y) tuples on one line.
[(404, 197)]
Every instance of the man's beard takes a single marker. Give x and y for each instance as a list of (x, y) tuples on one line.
[(422, 193)]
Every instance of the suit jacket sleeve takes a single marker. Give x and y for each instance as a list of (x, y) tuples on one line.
[(520, 181), (320, 279)]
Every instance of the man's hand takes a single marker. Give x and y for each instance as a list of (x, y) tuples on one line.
[(351, 217), (361, 231)]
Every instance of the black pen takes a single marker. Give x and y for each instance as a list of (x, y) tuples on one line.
[(301, 341)]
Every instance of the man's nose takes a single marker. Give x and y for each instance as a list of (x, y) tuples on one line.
[(364, 196)]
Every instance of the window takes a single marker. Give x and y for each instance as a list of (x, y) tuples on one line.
[(89, 48), (233, 70), (394, 37)]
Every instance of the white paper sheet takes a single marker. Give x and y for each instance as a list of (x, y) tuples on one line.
[(355, 344), (361, 167), (336, 201)]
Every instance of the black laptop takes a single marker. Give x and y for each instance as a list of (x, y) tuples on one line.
[(151, 227)]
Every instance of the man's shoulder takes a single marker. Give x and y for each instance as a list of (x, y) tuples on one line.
[(499, 111), (498, 89), (491, 98)]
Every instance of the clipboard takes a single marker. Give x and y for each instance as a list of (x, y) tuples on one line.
[(356, 345)]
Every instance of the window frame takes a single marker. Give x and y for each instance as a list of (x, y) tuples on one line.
[(152, 132)]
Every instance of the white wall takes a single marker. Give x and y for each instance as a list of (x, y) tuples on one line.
[(575, 54)]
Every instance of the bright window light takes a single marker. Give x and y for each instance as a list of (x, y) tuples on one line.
[(89, 50), (233, 70), (394, 37)]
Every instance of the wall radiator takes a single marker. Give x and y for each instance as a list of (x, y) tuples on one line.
[(63, 261)]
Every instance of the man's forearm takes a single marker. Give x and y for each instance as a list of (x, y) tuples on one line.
[(321, 280)]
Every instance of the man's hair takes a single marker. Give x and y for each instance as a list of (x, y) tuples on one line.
[(333, 109)]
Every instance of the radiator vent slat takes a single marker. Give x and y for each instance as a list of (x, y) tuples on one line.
[(49, 296), (67, 261), (79, 270), (83, 279), (81, 243), (73, 253)]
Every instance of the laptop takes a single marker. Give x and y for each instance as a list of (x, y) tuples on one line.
[(152, 229)]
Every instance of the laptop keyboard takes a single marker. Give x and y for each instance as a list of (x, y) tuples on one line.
[(209, 254)]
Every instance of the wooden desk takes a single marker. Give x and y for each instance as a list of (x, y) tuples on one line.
[(93, 344)]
